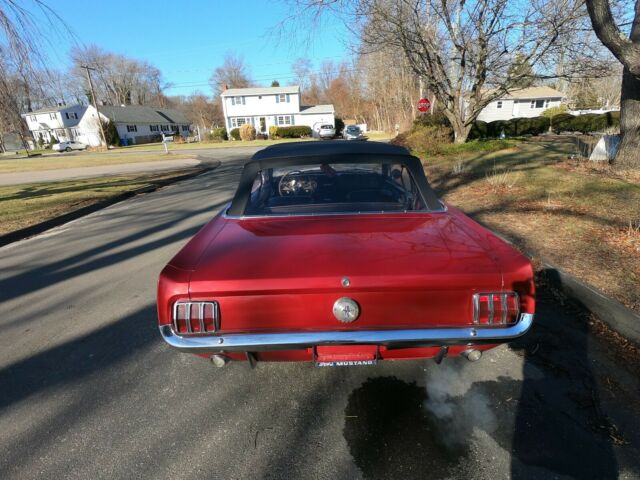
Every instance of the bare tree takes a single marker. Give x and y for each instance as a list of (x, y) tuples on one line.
[(627, 51), (120, 80), (465, 51), (232, 74), (21, 60)]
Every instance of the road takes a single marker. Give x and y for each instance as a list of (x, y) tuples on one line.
[(89, 390)]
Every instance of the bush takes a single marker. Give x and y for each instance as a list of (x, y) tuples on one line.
[(478, 130), (553, 111), (339, 125), (247, 132), (562, 122), (437, 119), (428, 139), (512, 128), (235, 133), (218, 134), (53, 140), (297, 131), (110, 133), (585, 123), (273, 131)]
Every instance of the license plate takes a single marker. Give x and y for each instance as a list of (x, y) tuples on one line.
[(346, 363)]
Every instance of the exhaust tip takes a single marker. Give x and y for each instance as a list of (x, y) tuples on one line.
[(472, 355), (218, 360)]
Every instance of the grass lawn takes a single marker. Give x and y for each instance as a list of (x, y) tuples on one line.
[(577, 215), (25, 205), (209, 145), (55, 162)]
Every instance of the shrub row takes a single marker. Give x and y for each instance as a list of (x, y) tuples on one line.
[(587, 123), (297, 131), (563, 122), (511, 128), (235, 133)]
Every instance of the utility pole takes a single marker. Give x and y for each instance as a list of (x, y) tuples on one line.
[(95, 103)]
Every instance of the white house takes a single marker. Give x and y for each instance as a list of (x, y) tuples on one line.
[(134, 123), (526, 102), (272, 106), (61, 121)]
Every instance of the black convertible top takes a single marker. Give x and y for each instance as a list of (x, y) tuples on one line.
[(329, 147), (336, 151)]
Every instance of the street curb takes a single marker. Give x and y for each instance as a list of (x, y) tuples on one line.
[(617, 316), (42, 227)]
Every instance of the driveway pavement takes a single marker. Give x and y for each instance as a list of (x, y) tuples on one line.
[(89, 390)]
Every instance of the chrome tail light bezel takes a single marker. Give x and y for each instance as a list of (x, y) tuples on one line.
[(504, 301), (201, 307)]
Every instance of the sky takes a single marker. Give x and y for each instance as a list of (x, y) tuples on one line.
[(188, 39)]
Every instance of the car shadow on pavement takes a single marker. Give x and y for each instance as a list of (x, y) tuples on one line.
[(560, 426), (549, 422)]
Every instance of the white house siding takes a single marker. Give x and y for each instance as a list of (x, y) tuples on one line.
[(517, 108), (60, 121)]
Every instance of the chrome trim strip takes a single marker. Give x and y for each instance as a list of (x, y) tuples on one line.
[(476, 309), (491, 309), (253, 342), (225, 214)]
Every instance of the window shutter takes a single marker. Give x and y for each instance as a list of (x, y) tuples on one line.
[(287, 98), (277, 98), (243, 102)]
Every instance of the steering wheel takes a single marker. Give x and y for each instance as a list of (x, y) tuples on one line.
[(286, 185)]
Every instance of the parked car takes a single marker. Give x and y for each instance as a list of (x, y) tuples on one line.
[(327, 131), (352, 132), (68, 146), (340, 253)]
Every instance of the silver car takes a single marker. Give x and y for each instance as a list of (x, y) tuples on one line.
[(68, 146), (352, 132), (327, 131)]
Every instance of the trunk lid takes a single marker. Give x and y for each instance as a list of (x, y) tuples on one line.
[(404, 270)]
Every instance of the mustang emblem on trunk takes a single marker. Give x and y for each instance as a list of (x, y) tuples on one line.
[(346, 310)]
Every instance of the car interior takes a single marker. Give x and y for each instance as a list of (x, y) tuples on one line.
[(334, 188)]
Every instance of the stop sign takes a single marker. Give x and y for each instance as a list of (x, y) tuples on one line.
[(424, 105)]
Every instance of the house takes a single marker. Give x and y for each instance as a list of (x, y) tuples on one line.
[(272, 106), (134, 123), (138, 124), (61, 122), (524, 102)]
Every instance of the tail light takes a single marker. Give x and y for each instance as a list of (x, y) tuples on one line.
[(500, 308), (195, 318)]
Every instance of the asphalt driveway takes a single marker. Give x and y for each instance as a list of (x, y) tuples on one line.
[(89, 390)]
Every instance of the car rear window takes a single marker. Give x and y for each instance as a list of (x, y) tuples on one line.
[(327, 127), (334, 188)]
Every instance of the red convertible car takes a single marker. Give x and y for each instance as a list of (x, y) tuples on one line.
[(340, 253)]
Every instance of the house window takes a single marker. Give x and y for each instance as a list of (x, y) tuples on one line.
[(132, 128), (284, 120), (282, 98), (237, 100), (52, 116), (33, 118), (237, 122), (546, 103), (67, 115), (499, 105), (185, 128), (153, 128), (164, 128), (537, 103)]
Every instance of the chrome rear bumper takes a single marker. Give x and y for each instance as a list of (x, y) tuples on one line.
[(256, 342)]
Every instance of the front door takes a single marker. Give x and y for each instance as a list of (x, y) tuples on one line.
[(263, 125)]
